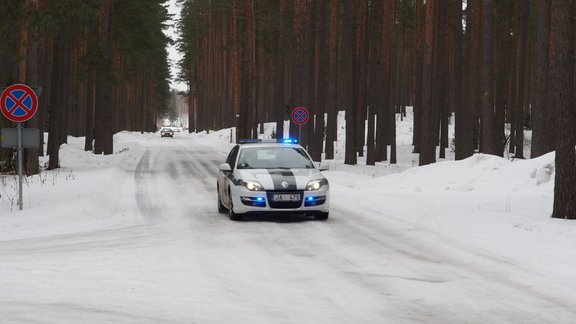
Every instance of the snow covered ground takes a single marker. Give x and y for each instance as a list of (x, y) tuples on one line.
[(134, 237)]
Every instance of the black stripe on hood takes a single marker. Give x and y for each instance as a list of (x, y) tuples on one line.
[(283, 176)]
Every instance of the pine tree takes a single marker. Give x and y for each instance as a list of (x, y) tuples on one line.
[(562, 33)]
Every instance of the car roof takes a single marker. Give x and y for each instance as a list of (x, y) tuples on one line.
[(268, 145)]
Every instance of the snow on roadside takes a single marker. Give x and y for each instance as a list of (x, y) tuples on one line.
[(80, 196)]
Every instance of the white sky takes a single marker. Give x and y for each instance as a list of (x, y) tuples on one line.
[(173, 54), (135, 237)]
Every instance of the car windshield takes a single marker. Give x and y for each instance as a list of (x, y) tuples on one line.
[(274, 158)]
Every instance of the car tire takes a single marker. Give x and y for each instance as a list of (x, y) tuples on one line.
[(231, 214), (221, 208), (321, 216)]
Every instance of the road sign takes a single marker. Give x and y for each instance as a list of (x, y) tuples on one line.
[(9, 138), (300, 115), (18, 103)]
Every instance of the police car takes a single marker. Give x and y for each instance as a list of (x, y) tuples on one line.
[(262, 177)]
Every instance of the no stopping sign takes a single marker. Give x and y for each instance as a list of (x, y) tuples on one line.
[(18, 103), (300, 115)]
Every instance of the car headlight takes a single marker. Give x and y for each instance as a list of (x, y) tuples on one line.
[(315, 185), (252, 185)]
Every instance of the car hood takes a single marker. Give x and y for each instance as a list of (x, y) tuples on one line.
[(280, 179)]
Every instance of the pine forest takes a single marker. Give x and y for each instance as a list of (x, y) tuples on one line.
[(492, 68)]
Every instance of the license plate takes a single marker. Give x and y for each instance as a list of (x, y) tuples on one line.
[(286, 197)]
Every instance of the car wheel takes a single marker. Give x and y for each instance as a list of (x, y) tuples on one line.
[(321, 216), (231, 214), (221, 208)]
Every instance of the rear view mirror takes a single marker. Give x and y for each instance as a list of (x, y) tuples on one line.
[(225, 167)]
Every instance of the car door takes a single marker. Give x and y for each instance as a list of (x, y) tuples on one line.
[(223, 176)]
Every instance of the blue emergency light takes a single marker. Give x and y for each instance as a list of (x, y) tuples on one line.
[(259, 140), (288, 140)]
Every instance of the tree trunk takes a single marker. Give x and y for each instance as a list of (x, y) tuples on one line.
[(520, 73), (349, 42), (331, 91), (429, 121), (104, 87), (375, 71), (360, 74), (392, 68), (562, 78), (321, 78), (251, 68), (455, 57), (58, 101), (418, 74), (303, 54), (32, 79), (441, 77), (90, 88), (543, 129), (280, 81), (502, 63), (489, 142), (464, 125)]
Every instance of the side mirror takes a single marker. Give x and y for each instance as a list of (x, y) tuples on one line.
[(323, 166), (225, 167)]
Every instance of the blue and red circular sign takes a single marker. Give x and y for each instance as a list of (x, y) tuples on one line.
[(18, 103), (300, 115)]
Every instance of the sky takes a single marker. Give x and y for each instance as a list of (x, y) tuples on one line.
[(173, 54), (135, 237)]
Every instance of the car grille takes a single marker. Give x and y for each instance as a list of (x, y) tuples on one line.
[(284, 204)]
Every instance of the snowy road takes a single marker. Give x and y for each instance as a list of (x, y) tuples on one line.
[(176, 260)]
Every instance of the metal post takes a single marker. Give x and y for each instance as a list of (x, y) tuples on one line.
[(20, 150), (300, 134)]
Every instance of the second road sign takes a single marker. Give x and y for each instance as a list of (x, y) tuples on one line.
[(300, 115)]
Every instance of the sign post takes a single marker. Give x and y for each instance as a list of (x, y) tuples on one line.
[(19, 103), (20, 158), (300, 116)]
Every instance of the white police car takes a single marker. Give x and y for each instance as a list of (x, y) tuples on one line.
[(261, 177)]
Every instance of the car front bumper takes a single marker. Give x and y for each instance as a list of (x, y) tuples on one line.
[(261, 202)]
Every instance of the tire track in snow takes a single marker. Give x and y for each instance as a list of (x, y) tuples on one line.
[(144, 177)]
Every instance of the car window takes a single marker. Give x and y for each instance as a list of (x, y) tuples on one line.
[(232, 156), (274, 158)]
